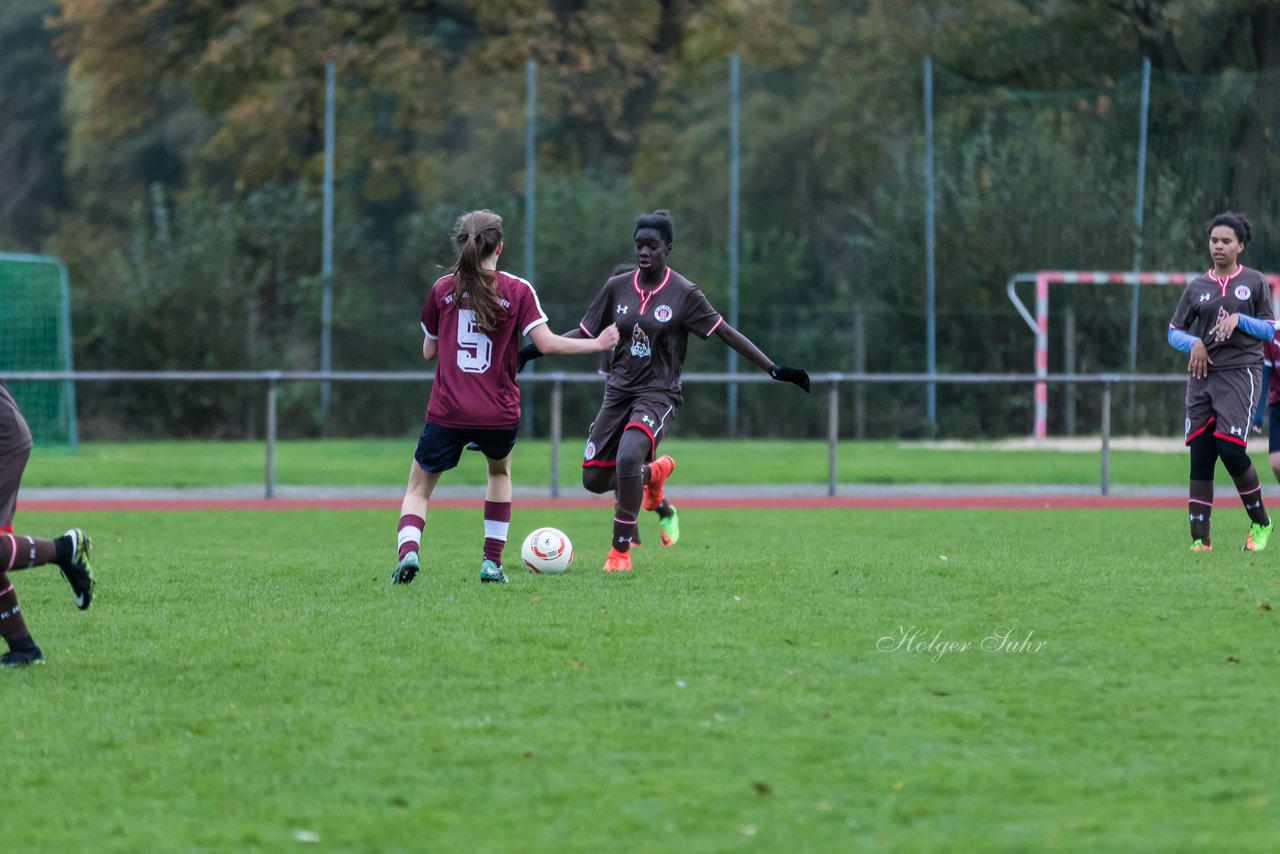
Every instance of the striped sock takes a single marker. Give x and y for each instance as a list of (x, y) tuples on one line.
[(409, 537), (12, 626), (497, 521)]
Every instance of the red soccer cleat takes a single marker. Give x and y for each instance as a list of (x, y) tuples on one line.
[(617, 561), (659, 470)]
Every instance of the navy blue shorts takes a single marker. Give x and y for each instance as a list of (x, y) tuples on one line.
[(440, 448)]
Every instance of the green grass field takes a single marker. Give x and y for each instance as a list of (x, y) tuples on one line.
[(386, 462), (252, 681)]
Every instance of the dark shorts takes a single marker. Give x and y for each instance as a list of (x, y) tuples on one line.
[(15, 448), (1224, 402), (652, 412), (440, 448)]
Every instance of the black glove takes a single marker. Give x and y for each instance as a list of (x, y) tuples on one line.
[(528, 353), (788, 374)]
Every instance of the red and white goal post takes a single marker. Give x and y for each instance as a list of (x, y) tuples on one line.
[(1039, 322)]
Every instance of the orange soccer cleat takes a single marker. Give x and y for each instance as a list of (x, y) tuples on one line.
[(617, 561), (659, 470)]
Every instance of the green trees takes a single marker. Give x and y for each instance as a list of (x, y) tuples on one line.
[(172, 153)]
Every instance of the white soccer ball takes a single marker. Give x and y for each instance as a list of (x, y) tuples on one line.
[(547, 551)]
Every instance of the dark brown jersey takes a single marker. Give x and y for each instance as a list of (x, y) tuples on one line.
[(654, 326), (1207, 299)]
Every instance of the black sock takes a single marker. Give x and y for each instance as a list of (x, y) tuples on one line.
[(62, 550), (24, 645), (664, 510)]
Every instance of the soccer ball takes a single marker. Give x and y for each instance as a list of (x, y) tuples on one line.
[(547, 551)]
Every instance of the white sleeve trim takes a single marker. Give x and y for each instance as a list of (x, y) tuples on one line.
[(534, 325), (426, 333)]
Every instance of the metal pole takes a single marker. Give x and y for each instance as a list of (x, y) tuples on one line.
[(859, 367), (530, 192), (64, 330), (326, 261), (273, 379), (557, 403), (1106, 437), (530, 162), (1138, 205), (1069, 333), (833, 434), (734, 127), (930, 249)]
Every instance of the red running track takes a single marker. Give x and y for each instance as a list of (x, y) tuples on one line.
[(896, 502)]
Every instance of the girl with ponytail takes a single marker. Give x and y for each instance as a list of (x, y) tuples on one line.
[(472, 322)]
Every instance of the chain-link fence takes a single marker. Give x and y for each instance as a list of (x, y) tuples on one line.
[(831, 250)]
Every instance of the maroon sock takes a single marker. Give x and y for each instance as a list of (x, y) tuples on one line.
[(22, 552), (1251, 496), (497, 521), (630, 494), (1200, 509), (12, 626), (409, 534)]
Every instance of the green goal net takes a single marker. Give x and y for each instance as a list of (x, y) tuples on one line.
[(35, 335)]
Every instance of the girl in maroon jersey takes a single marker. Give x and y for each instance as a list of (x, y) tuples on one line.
[(473, 319), (655, 309)]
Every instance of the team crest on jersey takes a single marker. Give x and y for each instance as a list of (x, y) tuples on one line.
[(1222, 314), (640, 342), (662, 313), (1242, 291), (589, 452)]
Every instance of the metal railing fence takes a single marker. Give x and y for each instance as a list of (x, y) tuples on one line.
[(831, 381)]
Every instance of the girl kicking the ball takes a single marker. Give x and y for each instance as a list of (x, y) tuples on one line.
[(472, 320), (655, 309)]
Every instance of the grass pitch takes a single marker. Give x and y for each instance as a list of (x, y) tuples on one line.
[(779, 681)]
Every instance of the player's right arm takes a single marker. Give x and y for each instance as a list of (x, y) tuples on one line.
[(1180, 339), (429, 320), (547, 342), (595, 318)]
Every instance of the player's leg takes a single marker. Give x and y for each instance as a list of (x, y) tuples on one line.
[(654, 416), (1203, 450), (599, 456), (1273, 439), (439, 449), (634, 448), (669, 519), (497, 446), (70, 552), (1235, 394)]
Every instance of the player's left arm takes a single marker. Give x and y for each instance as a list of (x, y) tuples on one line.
[(429, 348), (1260, 323), (747, 348), (1254, 327)]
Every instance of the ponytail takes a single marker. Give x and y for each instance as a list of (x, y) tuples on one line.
[(476, 236)]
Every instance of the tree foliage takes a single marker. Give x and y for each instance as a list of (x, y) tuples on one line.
[(172, 151)]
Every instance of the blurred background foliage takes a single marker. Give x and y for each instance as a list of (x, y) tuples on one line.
[(171, 152)]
